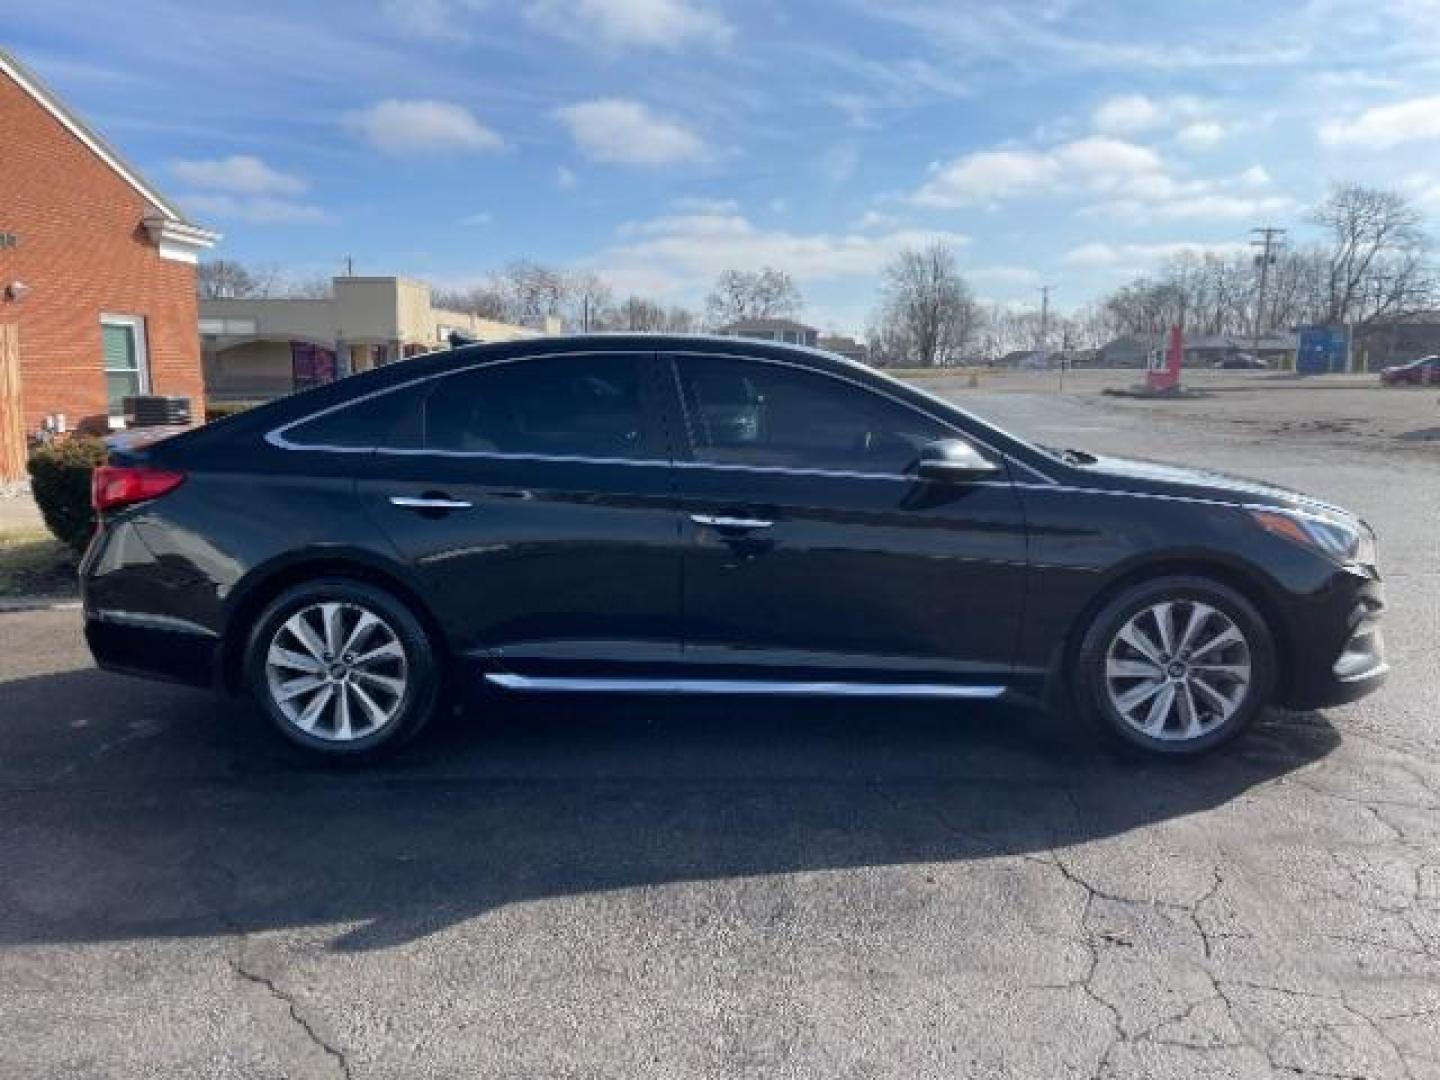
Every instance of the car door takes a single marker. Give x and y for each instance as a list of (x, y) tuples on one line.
[(537, 510), (811, 549)]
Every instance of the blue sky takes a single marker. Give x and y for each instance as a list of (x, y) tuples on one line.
[(662, 141)]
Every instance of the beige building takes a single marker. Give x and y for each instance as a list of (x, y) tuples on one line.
[(255, 349)]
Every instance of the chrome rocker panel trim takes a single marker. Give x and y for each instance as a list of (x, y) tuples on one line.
[(529, 683)]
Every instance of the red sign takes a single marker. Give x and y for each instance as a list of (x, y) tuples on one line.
[(1164, 371)]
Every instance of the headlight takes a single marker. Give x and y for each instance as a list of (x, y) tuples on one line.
[(1344, 541)]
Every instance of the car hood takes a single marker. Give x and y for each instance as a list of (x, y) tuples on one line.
[(1160, 478)]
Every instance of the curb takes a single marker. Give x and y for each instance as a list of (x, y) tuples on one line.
[(14, 604)]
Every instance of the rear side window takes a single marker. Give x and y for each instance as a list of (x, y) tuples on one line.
[(589, 405), (388, 420), (743, 412)]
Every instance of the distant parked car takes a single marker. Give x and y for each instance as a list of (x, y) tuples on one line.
[(1241, 361), (1422, 372)]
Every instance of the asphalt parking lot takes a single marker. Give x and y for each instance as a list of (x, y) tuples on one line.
[(718, 889)]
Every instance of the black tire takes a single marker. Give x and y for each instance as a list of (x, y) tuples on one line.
[(408, 711), (1092, 689)]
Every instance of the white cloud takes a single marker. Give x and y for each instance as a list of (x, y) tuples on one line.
[(986, 175), (482, 217), (1131, 114), (240, 173), (257, 210), (401, 127), (616, 24), (1097, 164), (565, 179), (1107, 162), (686, 252), (1133, 183), (1100, 254), (701, 204), (435, 20), (874, 219), (1255, 176), (629, 133), (1201, 135), (1205, 205), (1416, 120), (1127, 114)]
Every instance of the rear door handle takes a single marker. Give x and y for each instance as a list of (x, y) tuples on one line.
[(410, 502), (730, 522)]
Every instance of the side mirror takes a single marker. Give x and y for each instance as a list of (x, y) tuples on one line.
[(954, 461)]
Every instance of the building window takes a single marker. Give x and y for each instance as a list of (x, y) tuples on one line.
[(126, 371)]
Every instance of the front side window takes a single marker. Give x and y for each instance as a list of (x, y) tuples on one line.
[(743, 412), (588, 406), (122, 339)]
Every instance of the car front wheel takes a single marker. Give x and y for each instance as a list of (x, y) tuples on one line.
[(1176, 665), (342, 668)]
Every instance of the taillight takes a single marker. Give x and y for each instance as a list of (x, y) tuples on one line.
[(113, 486)]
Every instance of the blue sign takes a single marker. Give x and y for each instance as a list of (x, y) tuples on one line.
[(1322, 350)]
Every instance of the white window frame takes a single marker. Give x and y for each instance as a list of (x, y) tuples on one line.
[(136, 325)]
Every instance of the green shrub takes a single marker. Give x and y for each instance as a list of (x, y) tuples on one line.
[(60, 481)]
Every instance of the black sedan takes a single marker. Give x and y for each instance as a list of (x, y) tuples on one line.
[(683, 515)]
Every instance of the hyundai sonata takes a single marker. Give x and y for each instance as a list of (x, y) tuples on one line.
[(645, 514)]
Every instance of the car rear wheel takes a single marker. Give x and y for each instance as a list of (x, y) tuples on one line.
[(342, 668), (1176, 665)]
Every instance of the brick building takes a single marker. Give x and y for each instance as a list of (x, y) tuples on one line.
[(97, 275)]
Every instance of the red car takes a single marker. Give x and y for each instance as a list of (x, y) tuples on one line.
[(1422, 372)]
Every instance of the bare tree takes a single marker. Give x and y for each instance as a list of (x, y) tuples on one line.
[(635, 313), (587, 301), (1375, 260), (928, 315), (319, 287), (753, 294), (226, 279)]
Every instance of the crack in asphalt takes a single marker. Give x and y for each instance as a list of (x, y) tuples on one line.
[(203, 859), (336, 1055)]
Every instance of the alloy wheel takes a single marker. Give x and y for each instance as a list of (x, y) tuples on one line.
[(1178, 670), (336, 671)]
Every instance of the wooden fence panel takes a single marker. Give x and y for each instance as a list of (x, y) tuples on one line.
[(12, 427)]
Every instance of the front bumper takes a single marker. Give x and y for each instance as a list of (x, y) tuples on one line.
[(1339, 654)]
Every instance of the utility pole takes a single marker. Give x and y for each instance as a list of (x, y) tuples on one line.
[(1044, 317), (349, 265), (1266, 238), (1044, 336)]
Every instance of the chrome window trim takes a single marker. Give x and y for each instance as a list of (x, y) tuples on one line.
[(768, 687), (276, 436)]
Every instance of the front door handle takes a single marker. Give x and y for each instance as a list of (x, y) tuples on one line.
[(428, 502), (730, 522)]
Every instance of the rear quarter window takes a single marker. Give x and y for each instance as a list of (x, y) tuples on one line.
[(388, 420)]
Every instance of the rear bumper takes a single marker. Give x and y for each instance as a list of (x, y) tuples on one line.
[(147, 646)]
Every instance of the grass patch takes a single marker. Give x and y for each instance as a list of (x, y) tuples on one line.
[(34, 563)]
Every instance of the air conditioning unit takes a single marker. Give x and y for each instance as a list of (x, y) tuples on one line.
[(156, 410)]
